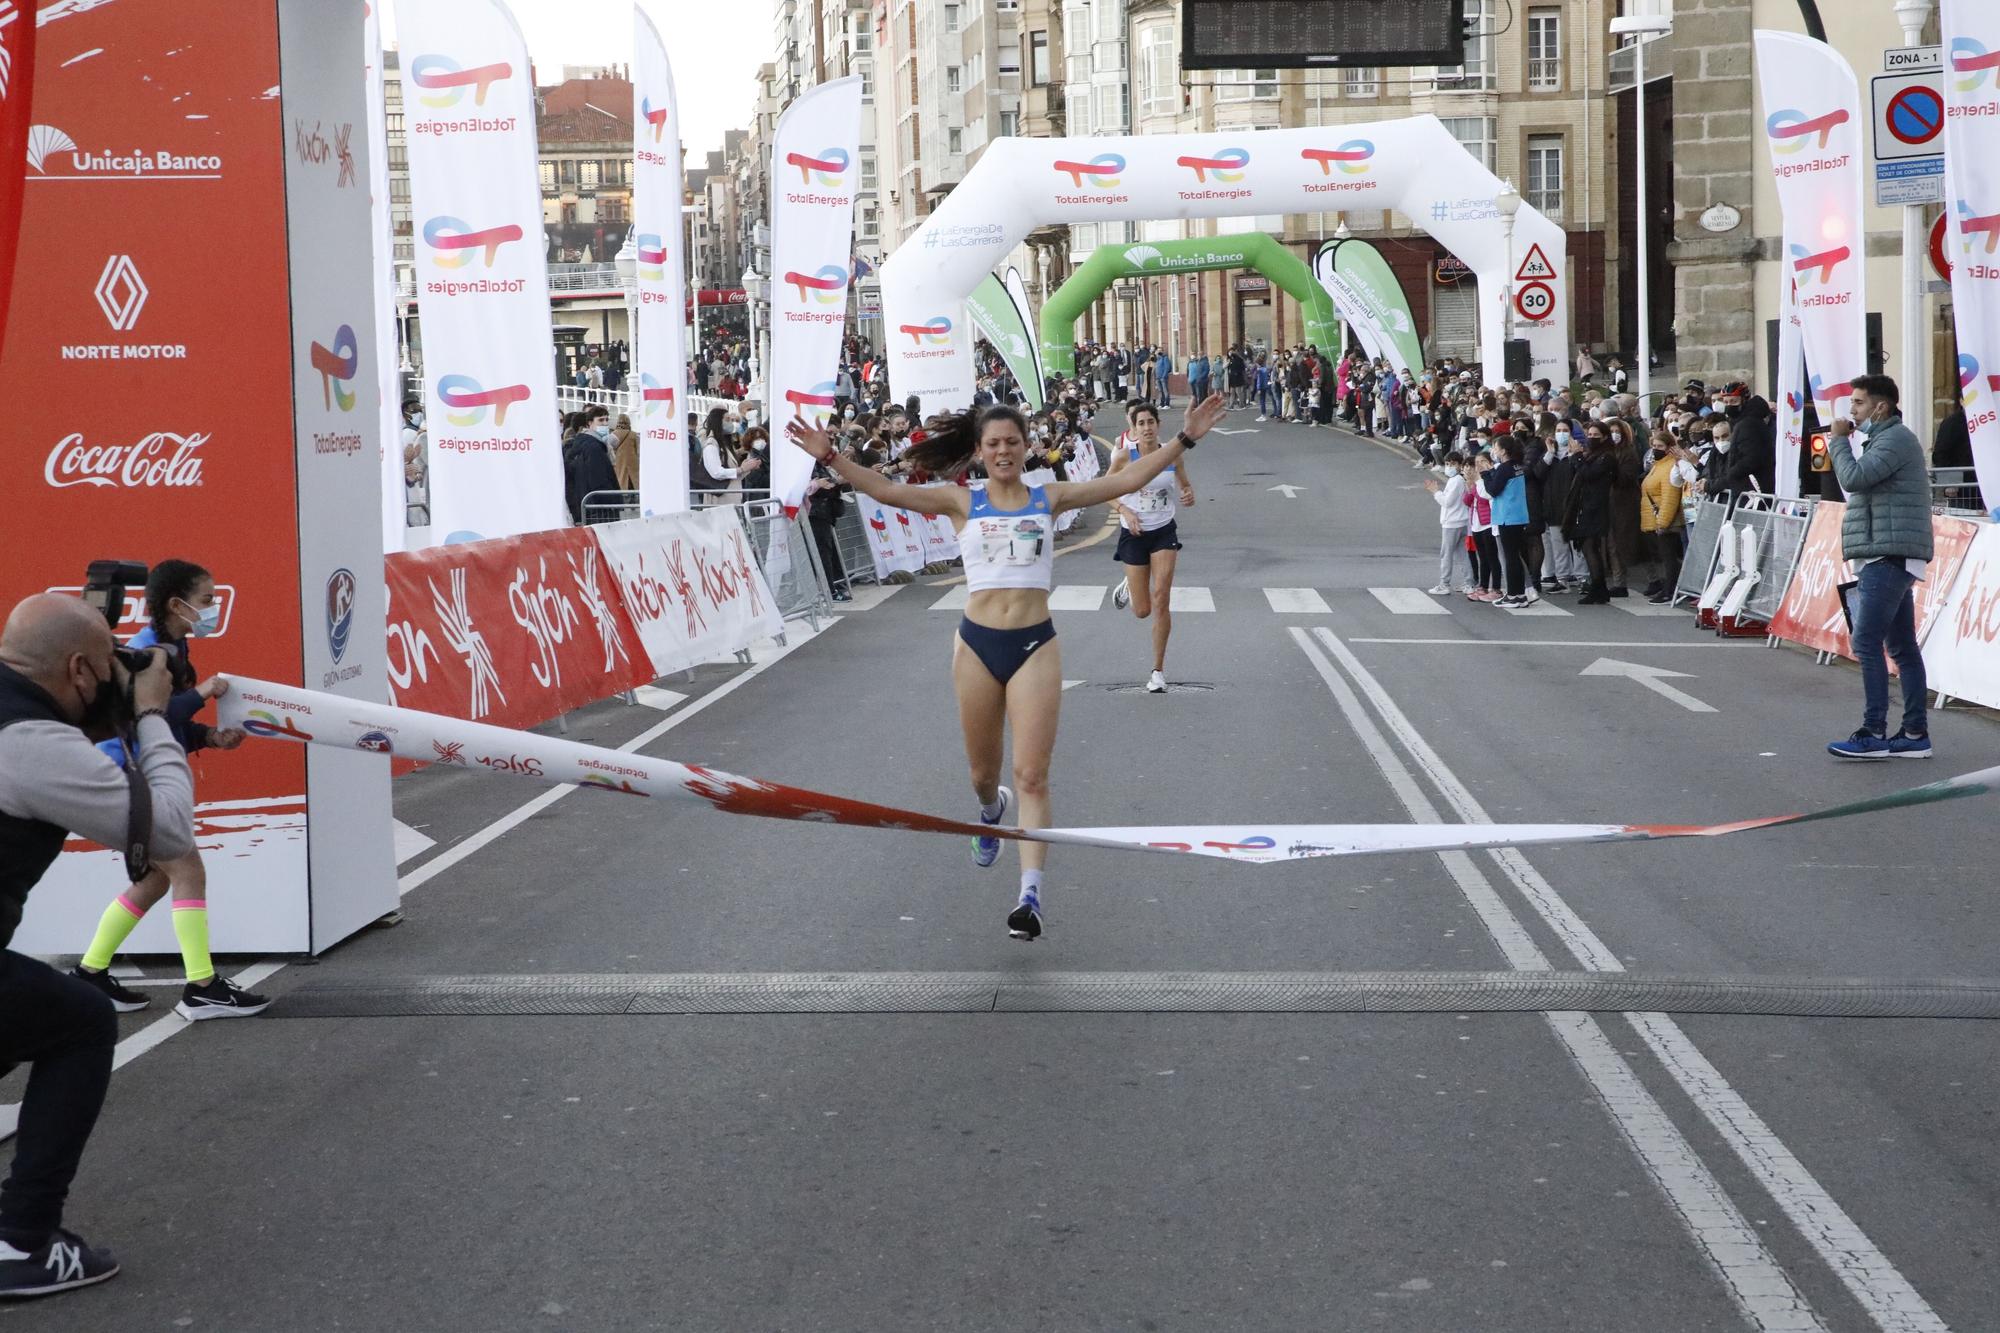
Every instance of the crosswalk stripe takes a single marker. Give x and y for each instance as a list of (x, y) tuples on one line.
[(1191, 599), (1638, 606), (1409, 601), (1297, 601), (1077, 597), (1545, 607), (952, 601)]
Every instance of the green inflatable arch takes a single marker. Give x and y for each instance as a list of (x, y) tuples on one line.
[(1149, 259)]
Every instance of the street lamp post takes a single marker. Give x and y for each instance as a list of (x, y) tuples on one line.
[(757, 288), (1643, 26), (626, 261), (1508, 201), (1914, 372)]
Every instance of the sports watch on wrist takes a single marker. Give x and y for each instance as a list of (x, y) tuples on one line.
[(1187, 441)]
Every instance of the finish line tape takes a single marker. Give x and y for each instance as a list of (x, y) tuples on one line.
[(283, 712)]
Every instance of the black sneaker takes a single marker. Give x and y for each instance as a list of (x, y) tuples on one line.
[(123, 998), (218, 998), (63, 1263), (1025, 921), (1620, 592)]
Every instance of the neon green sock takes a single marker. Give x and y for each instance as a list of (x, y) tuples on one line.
[(112, 929), (191, 929)]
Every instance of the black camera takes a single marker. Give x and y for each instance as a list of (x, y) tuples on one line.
[(105, 584)]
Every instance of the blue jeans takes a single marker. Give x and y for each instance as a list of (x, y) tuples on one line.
[(1267, 399), (1885, 621)]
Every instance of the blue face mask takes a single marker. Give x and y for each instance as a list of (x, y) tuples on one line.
[(206, 621)]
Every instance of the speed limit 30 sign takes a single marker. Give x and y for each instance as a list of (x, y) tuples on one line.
[(1534, 300)]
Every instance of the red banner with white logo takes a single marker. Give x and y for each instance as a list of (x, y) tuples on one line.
[(1962, 651), (512, 631), (691, 584), (1810, 612)]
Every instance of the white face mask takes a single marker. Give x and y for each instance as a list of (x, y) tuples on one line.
[(1722, 444)]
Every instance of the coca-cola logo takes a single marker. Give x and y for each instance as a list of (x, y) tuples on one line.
[(163, 458)]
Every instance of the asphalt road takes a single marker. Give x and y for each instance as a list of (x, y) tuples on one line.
[(1131, 1170)]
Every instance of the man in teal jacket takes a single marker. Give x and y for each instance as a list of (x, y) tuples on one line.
[(1886, 540)]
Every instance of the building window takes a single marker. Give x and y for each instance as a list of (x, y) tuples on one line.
[(953, 78), (1038, 59), (566, 171), (951, 18), (587, 175), (1237, 85), (868, 173), (954, 140), (1010, 63), (1160, 95), (1361, 81), (1477, 73), (1076, 109), (1009, 123), (399, 188), (1545, 50), (548, 175), (1476, 133), (868, 81), (393, 122), (1545, 174)]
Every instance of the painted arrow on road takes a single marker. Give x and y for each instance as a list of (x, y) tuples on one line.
[(1650, 677), (1247, 431), (1291, 491)]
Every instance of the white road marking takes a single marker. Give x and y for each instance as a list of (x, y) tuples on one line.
[(409, 842), (1639, 606), (1544, 607), (1297, 601), (1550, 643), (1761, 1289), (1071, 684), (1648, 676), (1190, 599), (1290, 491), (952, 601), (1410, 602), (1077, 597), (869, 596), (1869, 1276), (652, 696)]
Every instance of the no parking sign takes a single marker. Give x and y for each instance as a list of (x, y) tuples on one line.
[(1909, 137)]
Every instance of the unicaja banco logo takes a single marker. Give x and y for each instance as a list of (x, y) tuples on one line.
[(336, 365), (1815, 269), (1351, 158), (467, 400), (655, 396), (829, 165), (827, 286), (1100, 173), (655, 116), (452, 242), (652, 256), (444, 80), (1792, 131), (1972, 65), (1227, 165), (935, 330), (1972, 226)]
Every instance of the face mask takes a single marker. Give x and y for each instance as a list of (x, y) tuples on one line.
[(1722, 444), (753, 417), (206, 621), (1659, 452), (1562, 437), (417, 419)]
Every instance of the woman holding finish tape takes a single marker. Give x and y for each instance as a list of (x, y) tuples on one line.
[(1005, 665)]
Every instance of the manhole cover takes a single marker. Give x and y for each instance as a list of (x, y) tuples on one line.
[(1173, 687)]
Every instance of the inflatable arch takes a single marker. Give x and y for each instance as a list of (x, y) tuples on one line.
[(1152, 259), (1413, 166)]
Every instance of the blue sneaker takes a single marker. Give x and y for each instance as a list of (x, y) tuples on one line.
[(985, 851), (1902, 745), (1025, 921), (1861, 745)]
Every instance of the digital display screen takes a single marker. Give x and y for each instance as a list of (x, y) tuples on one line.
[(1266, 34)]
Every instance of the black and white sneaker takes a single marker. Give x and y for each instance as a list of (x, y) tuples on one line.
[(1121, 596), (1025, 921), (218, 998), (123, 998), (63, 1263)]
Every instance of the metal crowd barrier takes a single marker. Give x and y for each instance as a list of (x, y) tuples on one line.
[(1779, 528), (1704, 532), (1955, 492), (790, 560), (610, 506), (850, 538)]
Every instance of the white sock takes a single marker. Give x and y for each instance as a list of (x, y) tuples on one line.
[(1031, 887), (991, 813)]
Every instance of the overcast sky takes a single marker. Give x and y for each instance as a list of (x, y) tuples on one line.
[(715, 47)]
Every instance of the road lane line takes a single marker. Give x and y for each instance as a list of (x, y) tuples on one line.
[(1869, 1276), (1297, 602), (1409, 602), (1553, 643), (1077, 597), (1760, 1287), (1186, 600), (954, 600)]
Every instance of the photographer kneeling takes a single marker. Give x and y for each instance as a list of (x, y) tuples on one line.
[(61, 689)]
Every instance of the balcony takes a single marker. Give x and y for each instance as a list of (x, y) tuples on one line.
[(1545, 75), (574, 278)]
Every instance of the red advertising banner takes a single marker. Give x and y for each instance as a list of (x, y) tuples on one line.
[(1962, 653), (1811, 613), (17, 71), (512, 631)]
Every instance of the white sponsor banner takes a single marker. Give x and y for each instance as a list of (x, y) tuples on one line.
[(482, 285), (1971, 31), (1812, 128), (659, 358), (327, 720), (815, 170), (691, 584), (388, 407), (1355, 308), (1791, 408), (1962, 641), (893, 545)]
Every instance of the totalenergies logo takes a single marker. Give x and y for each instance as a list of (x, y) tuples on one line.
[(1352, 157), (935, 330), (1830, 393), (452, 242), (827, 286), (1968, 379), (1815, 268), (655, 116), (1227, 165), (652, 256), (1790, 130), (258, 722), (816, 401), (1972, 226), (1972, 64), (829, 164), (467, 400), (336, 365), (655, 396), (1100, 173), (444, 80)]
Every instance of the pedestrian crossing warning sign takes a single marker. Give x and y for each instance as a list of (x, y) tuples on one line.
[(1536, 265)]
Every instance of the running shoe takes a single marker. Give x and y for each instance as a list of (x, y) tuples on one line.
[(63, 1263), (1263, 418), (1025, 921), (123, 998), (1156, 683), (1510, 603), (1903, 745), (218, 997), (985, 851), (1121, 595), (1862, 744), (1442, 590)]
